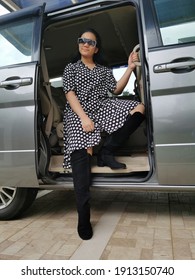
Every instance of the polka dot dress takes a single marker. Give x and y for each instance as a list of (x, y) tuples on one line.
[(91, 88)]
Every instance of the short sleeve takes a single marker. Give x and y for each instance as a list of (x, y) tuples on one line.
[(111, 81), (69, 78)]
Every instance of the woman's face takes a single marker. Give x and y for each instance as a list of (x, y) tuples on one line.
[(87, 48)]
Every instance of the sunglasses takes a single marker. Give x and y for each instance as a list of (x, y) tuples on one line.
[(88, 41)]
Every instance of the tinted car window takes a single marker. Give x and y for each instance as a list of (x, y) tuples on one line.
[(16, 42), (176, 20)]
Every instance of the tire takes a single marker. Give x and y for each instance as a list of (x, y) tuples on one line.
[(15, 201)]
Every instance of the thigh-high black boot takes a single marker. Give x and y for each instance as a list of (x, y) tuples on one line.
[(116, 139), (81, 169)]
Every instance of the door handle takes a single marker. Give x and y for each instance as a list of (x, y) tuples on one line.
[(178, 66), (15, 82)]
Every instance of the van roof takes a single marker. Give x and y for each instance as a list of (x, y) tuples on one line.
[(51, 5)]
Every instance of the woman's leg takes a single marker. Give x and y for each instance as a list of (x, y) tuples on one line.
[(119, 137), (90, 151), (81, 170), (139, 108)]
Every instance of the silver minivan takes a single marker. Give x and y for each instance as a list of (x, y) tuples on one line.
[(37, 42)]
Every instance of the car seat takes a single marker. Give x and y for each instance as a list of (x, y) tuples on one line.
[(53, 115)]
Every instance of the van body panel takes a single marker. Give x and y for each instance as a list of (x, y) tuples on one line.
[(174, 132), (172, 88), (18, 97), (17, 126)]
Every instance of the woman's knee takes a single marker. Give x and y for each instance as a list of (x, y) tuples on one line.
[(139, 108)]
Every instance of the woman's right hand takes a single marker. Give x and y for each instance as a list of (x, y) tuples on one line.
[(87, 124), (133, 57)]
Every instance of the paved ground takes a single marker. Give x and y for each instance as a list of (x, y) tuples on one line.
[(127, 225)]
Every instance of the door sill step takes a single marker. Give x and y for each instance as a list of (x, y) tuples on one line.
[(134, 163)]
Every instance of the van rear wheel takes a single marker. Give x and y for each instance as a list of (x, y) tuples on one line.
[(14, 201)]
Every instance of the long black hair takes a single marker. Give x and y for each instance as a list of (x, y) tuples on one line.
[(98, 57)]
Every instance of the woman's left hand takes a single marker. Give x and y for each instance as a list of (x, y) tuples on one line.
[(133, 57)]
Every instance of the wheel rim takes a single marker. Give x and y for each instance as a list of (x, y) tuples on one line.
[(7, 195)]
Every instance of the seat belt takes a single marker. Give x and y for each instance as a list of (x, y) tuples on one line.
[(47, 85)]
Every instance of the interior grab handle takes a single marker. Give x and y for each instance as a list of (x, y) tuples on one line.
[(16, 82), (180, 65)]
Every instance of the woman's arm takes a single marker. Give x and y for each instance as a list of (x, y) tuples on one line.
[(121, 84), (87, 123)]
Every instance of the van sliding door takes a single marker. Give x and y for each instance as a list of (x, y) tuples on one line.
[(172, 82), (20, 34)]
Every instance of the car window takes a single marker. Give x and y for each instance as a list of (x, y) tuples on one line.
[(176, 20), (16, 42), (129, 89), (56, 82)]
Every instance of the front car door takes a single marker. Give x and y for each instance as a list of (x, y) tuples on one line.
[(20, 36), (170, 31)]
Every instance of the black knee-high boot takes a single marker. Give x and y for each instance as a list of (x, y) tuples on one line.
[(116, 139), (81, 169)]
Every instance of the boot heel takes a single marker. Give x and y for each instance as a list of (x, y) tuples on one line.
[(109, 160)]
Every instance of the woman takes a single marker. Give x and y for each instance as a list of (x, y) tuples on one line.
[(89, 111)]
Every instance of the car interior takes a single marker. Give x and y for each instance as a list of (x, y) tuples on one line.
[(118, 29)]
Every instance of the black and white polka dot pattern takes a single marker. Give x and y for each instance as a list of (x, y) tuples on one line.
[(91, 88)]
